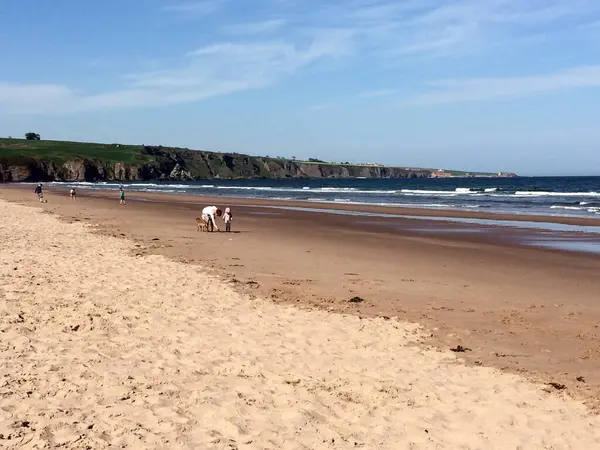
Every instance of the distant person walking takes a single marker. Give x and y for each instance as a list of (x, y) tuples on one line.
[(208, 215), (39, 193), (121, 196), (228, 217), (73, 194)]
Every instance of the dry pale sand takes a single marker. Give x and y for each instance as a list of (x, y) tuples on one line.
[(530, 311), (101, 348)]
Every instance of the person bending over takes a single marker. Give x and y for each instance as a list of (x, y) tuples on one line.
[(208, 214)]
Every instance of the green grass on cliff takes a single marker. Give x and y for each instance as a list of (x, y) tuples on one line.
[(61, 152), (17, 151)]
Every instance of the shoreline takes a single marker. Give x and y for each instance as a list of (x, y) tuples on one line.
[(323, 205), (523, 309), (546, 233)]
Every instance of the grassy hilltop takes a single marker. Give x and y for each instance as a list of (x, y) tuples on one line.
[(62, 151), (37, 160)]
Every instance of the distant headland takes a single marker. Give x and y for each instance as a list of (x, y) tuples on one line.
[(33, 159)]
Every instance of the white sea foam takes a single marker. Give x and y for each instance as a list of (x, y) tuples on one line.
[(323, 190), (79, 183), (589, 209), (332, 189), (315, 190), (250, 188), (149, 187), (457, 191), (397, 205), (496, 199), (427, 192), (573, 208), (556, 194)]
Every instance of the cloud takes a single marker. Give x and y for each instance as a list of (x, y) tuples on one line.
[(592, 26), (209, 71), (34, 98), (321, 107), (283, 37), (500, 88), (435, 28), (254, 28), (201, 7), (377, 93)]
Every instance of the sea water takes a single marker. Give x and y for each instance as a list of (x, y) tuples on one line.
[(556, 196)]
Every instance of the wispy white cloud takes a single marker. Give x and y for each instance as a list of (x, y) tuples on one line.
[(199, 7), (377, 93), (34, 98), (207, 72), (487, 89), (254, 28), (321, 107), (282, 37), (236, 65), (447, 28), (592, 26)]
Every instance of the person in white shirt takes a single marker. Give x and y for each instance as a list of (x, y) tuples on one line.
[(208, 215)]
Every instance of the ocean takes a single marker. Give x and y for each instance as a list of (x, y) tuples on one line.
[(557, 196)]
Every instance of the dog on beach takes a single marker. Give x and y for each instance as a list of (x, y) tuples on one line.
[(201, 224)]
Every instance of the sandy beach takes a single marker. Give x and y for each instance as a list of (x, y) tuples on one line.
[(122, 326)]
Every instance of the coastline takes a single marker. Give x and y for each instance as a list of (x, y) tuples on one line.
[(372, 209), (527, 310)]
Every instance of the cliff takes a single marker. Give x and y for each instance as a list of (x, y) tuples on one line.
[(22, 160)]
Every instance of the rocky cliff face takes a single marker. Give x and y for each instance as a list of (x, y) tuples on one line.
[(158, 163), (31, 169)]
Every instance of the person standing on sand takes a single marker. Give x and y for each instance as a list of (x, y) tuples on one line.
[(73, 194), (228, 217), (39, 193), (121, 196), (208, 215)]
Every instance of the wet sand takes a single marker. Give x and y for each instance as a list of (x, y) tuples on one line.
[(529, 310)]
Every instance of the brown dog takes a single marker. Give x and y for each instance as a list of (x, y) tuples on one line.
[(201, 224)]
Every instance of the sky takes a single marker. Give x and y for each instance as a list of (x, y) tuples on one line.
[(490, 85)]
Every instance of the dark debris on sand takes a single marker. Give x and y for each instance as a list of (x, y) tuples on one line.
[(460, 349)]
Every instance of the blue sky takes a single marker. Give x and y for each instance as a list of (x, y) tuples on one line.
[(475, 84)]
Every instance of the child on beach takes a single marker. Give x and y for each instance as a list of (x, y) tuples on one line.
[(121, 196), (73, 194), (228, 217)]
